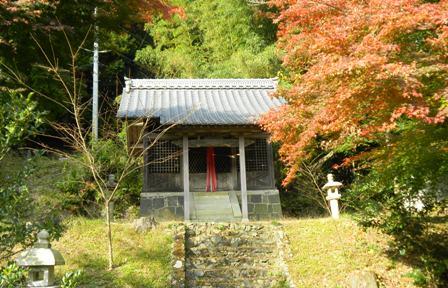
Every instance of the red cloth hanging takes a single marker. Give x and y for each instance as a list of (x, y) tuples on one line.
[(211, 170)]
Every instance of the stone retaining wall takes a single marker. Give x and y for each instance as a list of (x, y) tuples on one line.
[(235, 255), (178, 257)]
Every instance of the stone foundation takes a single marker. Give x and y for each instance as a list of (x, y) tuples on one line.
[(162, 205), (262, 205)]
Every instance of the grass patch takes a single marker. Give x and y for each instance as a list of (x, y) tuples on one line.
[(141, 260), (325, 252)]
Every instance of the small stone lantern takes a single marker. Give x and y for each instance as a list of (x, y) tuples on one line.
[(333, 195), (40, 261), (111, 184)]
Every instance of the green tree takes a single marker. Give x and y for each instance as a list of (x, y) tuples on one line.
[(50, 22), (19, 119), (19, 222), (212, 39), (400, 187), (20, 218)]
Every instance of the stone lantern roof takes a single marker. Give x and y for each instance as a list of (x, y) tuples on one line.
[(41, 254), (331, 183)]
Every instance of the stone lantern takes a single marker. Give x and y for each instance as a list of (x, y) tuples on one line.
[(111, 184), (333, 195), (40, 261)]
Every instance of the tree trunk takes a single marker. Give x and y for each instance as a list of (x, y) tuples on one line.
[(109, 237)]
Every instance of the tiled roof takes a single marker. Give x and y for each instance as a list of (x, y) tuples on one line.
[(199, 101)]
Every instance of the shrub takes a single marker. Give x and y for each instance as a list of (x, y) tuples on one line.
[(80, 188), (403, 195), (12, 276), (20, 221), (71, 279)]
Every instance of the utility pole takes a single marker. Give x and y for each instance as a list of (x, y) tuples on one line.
[(95, 83)]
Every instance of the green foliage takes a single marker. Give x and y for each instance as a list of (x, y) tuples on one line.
[(80, 197), (71, 279), (12, 276), (18, 119), (21, 218), (419, 277), (410, 169), (25, 25), (78, 185), (214, 39)]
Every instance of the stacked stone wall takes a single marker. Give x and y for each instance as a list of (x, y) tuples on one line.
[(232, 255), (178, 257)]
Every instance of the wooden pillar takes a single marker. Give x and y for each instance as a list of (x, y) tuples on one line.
[(243, 179), (270, 163), (145, 164), (186, 178), (234, 169)]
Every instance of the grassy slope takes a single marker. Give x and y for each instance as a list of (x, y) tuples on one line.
[(142, 260), (325, 252)]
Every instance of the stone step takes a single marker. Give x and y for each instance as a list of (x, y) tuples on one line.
[(240, 226), (227, 245), (212, 204), (225, 272), (215, 211), (211, 199), (242, 283), (218, 220), (237, 284), (214, 207), (255, 237), (230, 254), (230, 264), (228, 232), (207, 194), (205, 244), (234, 257), (202, 228), (234, 253)]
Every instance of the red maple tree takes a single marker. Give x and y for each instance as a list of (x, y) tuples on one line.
[(354, 68)]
